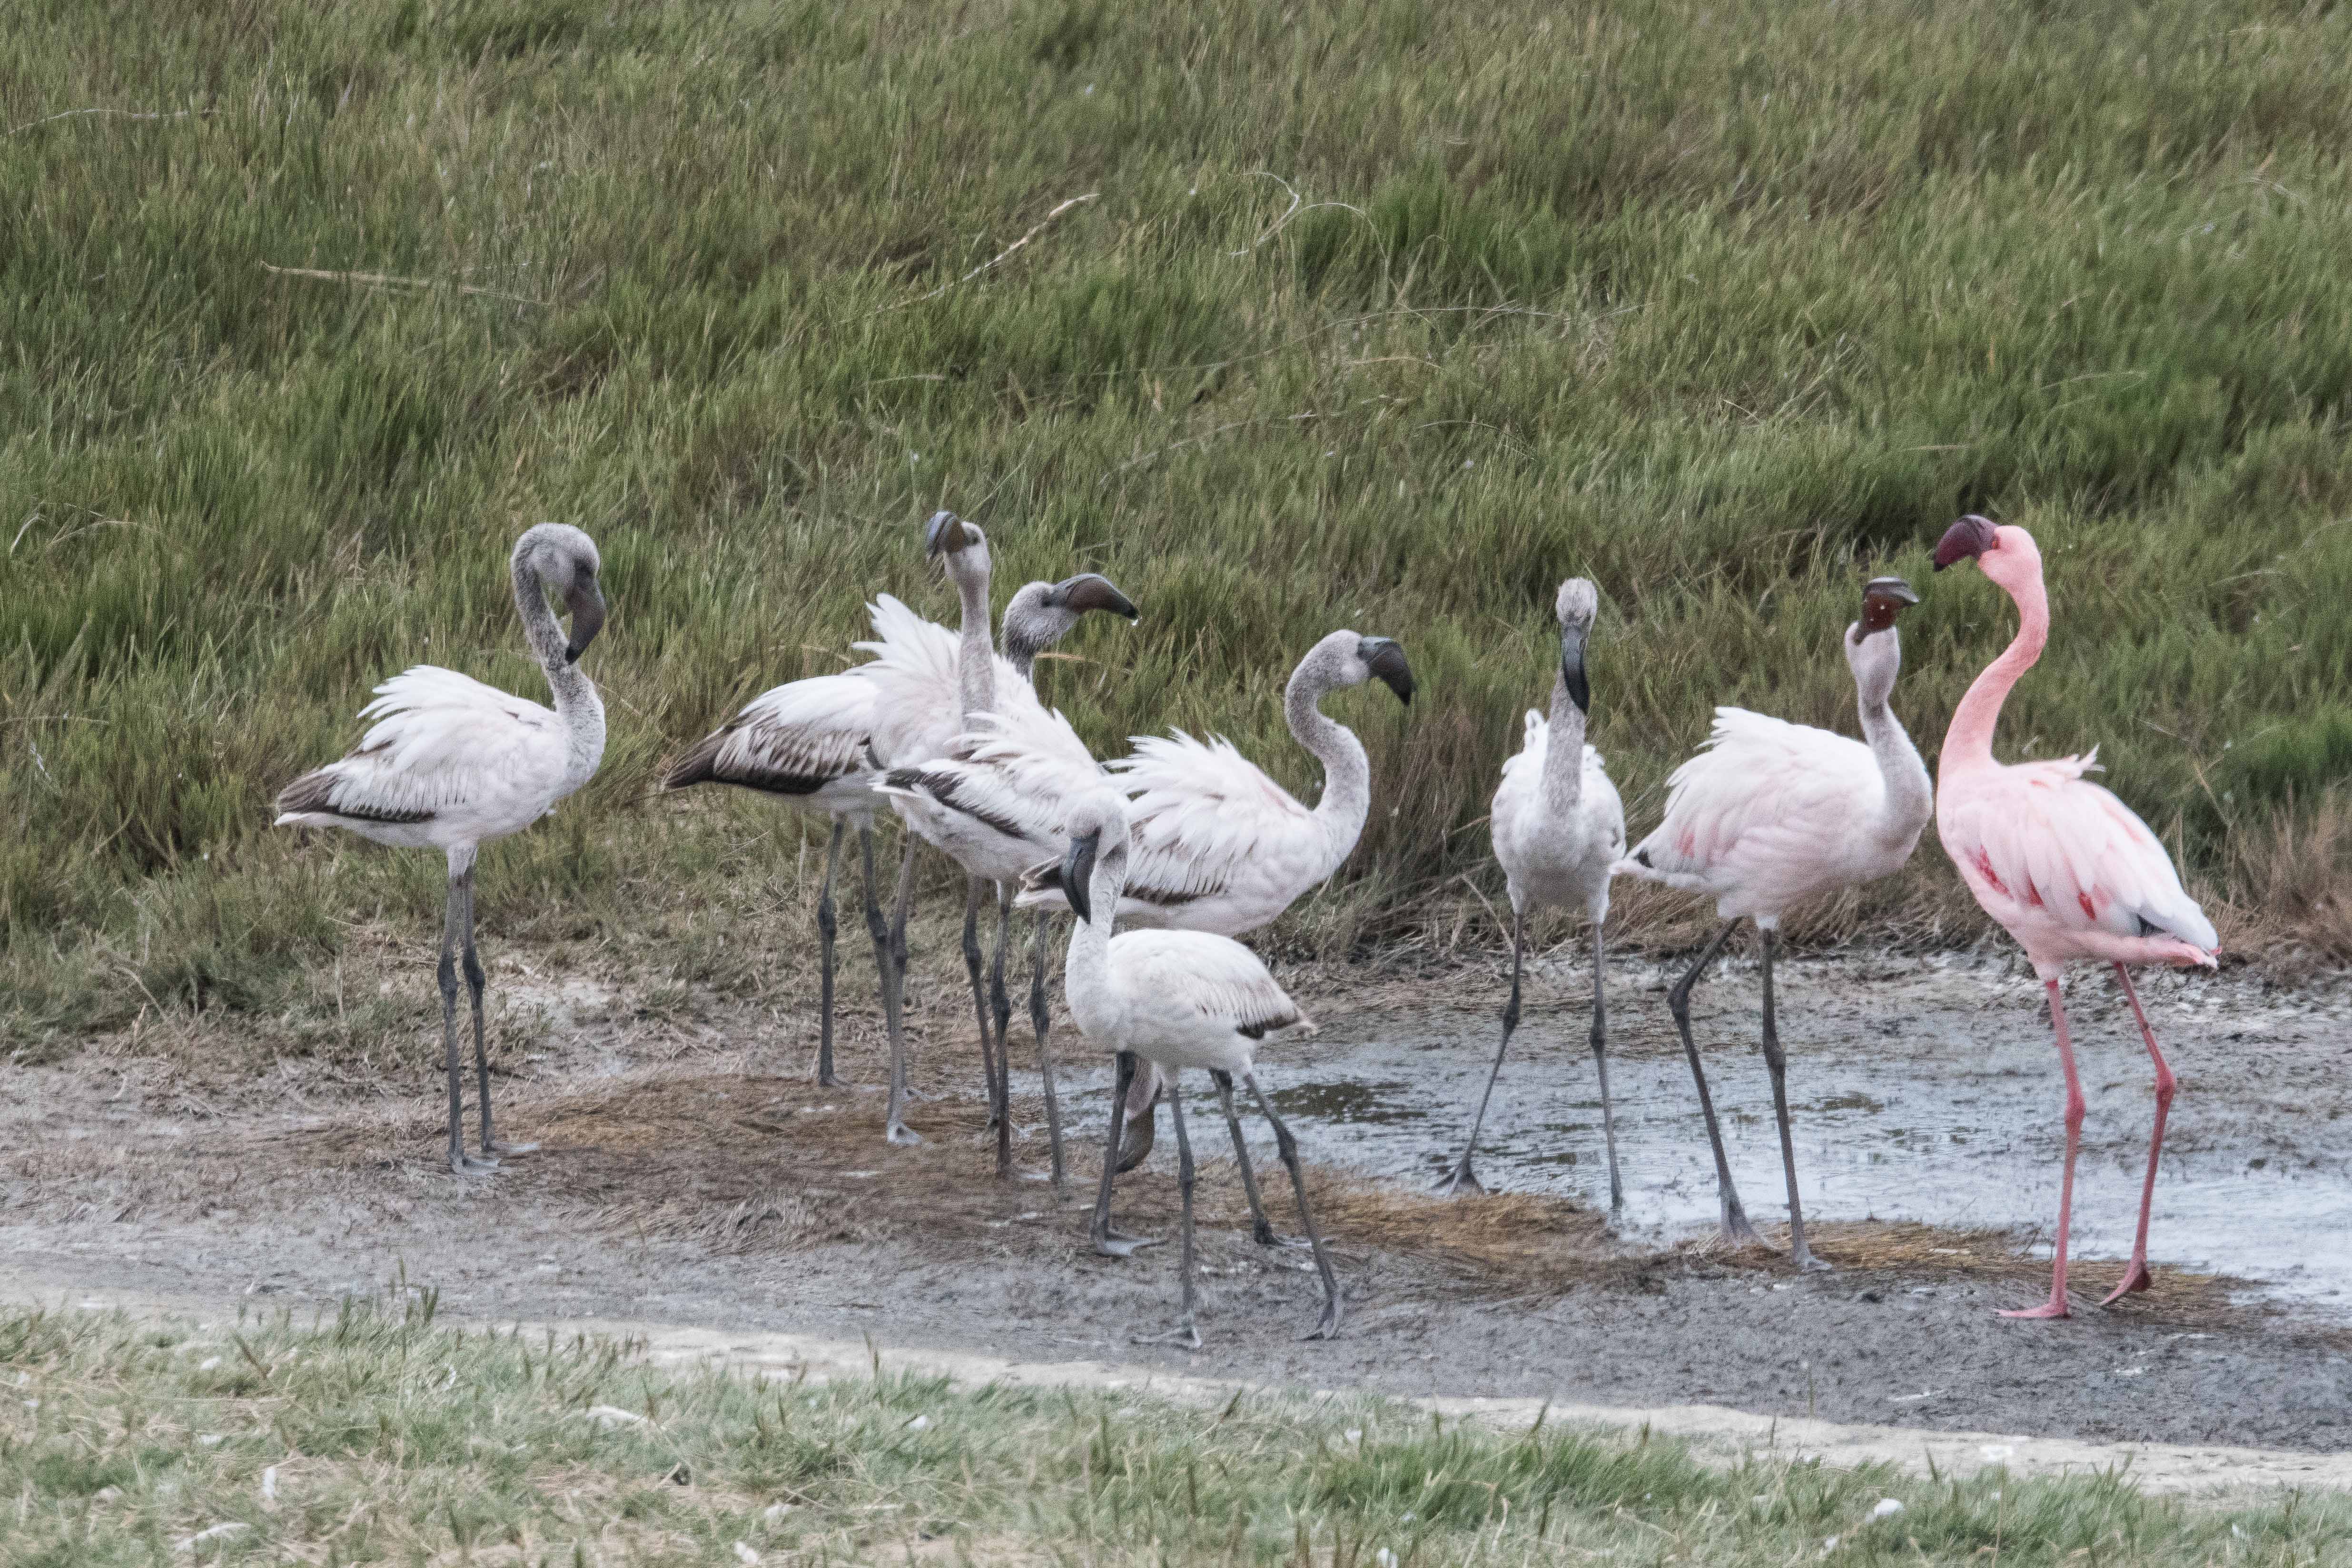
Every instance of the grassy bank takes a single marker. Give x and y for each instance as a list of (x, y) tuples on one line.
[(376, 1436), (1385, 315)]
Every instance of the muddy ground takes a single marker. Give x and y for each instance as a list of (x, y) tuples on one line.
[(691, 1174)]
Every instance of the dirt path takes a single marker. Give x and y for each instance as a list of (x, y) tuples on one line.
[(686, 1180)]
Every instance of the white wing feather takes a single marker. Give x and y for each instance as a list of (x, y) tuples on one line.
[(442, 744)]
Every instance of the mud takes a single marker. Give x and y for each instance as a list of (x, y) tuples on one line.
[(687, 1180)]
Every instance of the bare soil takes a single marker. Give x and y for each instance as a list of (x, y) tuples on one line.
[(691, 1174)]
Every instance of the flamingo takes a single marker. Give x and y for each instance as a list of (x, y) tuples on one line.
[(984, 682), (1774, 813), (1175, 1000), (451, 764), (815, 744), (2070, 870), (1221, 848), (1558, 827)]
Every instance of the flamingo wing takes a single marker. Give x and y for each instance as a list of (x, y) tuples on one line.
[(1012, 774), (919, 703), (1206, 818), (793, 739), (2045, 838), (1204, 980), (442, 744), (1764, 793)]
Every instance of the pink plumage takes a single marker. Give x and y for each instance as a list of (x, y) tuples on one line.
[(2066, 868)]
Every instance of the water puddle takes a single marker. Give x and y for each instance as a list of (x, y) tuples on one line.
[(1953, 1119)]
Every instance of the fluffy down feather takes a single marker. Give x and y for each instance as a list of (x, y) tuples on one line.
[(1200, 1000), (1205, 819)]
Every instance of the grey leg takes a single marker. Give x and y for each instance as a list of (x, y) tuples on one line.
[(825, 928), (1600, 1065), (973, 889), (1038, 1022), (999, 1008), (1778, 1064), (1462, 1175), (1328, 1325), (474, 982), (1261, 1228), (452, 925), (893, 988), (1113, 1243), (1185, 1333), (1735, 1229)]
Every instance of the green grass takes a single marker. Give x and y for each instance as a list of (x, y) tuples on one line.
[(376, 1436), (1386, 315)]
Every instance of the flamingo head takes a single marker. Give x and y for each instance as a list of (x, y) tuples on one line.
[(1096, 823), (1578, 606), (1042, 614), (958, 545), (2005, 553), (563, 559), (1871, 647)]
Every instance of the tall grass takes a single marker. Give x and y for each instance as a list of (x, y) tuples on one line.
[(1386, 315)]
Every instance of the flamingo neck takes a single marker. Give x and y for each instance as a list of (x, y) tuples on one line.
[(976, 654), (1910, 799), (576, 702), (1563, 770), (1347, 769), (1086, 972), (1969, 742)]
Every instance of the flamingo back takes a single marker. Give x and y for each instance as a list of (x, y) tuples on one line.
[(1189, 998), (1210, 828)]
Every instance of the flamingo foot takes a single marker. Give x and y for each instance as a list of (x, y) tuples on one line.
[(1460, 1179), (465, 1164), (2056, 1307), (1327, 1326), (1119, 1244), (1184, 1336), (1738, 1234), (2135, 1278), (504, 1150), (902, 1135), (1266, 1236)]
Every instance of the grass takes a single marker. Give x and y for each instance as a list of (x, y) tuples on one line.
[(377, 1435), (1384, 314)]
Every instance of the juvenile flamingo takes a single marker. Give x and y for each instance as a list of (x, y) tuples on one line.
[(2069, 869), (1774, 813), (451, 764)]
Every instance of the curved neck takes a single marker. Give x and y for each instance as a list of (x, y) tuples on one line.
[(1086, 969), (1969, 742), (1563, 773), (976, 654), (1347, 769), (576, 703), (1909, 798)]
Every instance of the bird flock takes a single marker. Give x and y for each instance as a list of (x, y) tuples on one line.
[(1162, 858)]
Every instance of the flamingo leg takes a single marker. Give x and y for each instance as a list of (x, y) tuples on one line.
[(1142, 1121), (2135, 1277), (453, 924), (973, 969), (1113, 1243), (1185, 1333), (999, 1007), (827, 925), (2056, 1307), (1261, 1228), (1736, 1231), (1601, 1066), (1776, 1060), (893, 991), (1328, 1325), (471, 961), (1463, 1176), (1040, 1021)]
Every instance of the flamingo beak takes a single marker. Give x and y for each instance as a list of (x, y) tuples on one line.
[(1571, 667), (586, 603), (1092, 591), (1079, 874), (1883, 599), (1964, 540), (944, 534), (1386, 661)]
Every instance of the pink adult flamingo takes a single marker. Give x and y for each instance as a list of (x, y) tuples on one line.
[(2067, 868)]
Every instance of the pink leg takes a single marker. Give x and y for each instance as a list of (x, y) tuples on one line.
[(2056, 1307), (2135, 1277)]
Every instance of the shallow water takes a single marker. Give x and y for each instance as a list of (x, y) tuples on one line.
[(1918, 1102)]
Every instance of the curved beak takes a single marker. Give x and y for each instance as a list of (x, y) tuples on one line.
[(1092, 591), (586, 603), (1883, 598), (1079, 874), (1386, 660), (1571, 667), (944, 534), (1964, 540)]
